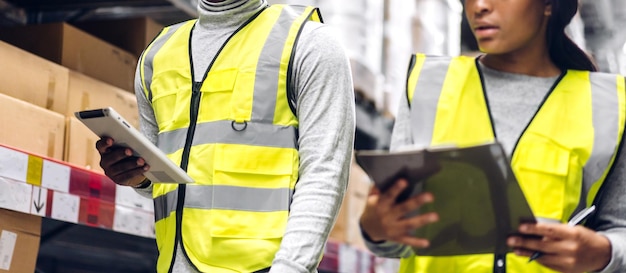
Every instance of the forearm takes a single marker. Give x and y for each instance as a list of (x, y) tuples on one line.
[(147, 123), (400, 139), (387, 249), (610, 217), (325, 110)]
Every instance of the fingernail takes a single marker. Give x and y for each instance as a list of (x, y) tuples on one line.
[(511, 241), (140, 162), (109, 141), (128, 152), (146, 168), (428, 198), (523, 228)]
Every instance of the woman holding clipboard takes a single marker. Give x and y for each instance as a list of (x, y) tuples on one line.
[(561, 123)]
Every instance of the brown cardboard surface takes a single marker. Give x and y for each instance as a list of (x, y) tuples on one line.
[(346, 229), (132, 34), (77, 50), (80, 146), (31, 128), (23, 254), (33, 79), (87, 93)]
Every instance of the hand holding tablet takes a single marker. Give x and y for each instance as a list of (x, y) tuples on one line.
[(123, 168)]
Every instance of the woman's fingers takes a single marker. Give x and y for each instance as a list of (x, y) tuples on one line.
[(388, 198), (412, 204)]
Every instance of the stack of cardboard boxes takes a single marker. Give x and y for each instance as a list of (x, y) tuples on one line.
[(48, 72)]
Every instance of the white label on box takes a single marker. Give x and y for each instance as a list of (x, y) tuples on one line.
[(133, 221), (15, 195), (127, 196), (65, 207), (55, 176), (40, 201), (13, 164), (348, 259), (7, 246)]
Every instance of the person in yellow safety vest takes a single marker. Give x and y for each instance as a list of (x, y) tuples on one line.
[(256, 103), (562, 125)]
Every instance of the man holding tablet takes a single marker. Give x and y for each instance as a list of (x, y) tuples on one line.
[(262, 121)]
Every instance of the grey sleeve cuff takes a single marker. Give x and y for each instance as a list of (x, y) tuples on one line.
[(618, 252), (145, 192), (386, 249)]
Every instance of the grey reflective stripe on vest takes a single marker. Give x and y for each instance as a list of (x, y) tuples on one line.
[(268, 68), (605, 111), (257, 134), (157, 44), (221, 197), (164, 205), (426, 98)]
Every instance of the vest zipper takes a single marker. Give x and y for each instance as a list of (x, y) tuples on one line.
[(193, 119)]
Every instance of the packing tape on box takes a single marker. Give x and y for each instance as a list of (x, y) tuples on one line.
[(52, 84), (51, 146), (89, 154), (84, 101)]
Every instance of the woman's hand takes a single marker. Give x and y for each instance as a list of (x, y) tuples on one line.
[(384, 220), (565, 248)]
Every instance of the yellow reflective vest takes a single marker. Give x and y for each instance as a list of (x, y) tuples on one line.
[(236, 136), (560, 160)]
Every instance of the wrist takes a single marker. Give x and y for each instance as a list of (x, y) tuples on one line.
[(604, 251), (368, 236), (143, 184)]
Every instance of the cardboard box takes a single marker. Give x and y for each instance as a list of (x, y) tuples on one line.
[(346, 229), (80, 146), (19, 241), (86, 93), (132, 34), (33, 79), (31, 128), (77, 50)]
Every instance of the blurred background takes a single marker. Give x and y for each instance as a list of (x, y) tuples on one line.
[(61, 56)]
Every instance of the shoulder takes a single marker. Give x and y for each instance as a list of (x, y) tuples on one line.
[(600, 81), (320, 43), (319, 34)]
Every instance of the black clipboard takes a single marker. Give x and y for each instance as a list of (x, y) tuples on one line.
[(477, 196)]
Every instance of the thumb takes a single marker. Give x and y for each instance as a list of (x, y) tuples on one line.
[(373, 191), (373, 196)]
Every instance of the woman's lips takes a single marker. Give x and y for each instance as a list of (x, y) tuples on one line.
[(485, 31)]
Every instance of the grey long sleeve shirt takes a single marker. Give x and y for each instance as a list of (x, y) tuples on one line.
[(325, 109), (513, 100)]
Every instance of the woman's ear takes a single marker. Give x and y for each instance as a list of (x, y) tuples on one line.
[(548, 8)]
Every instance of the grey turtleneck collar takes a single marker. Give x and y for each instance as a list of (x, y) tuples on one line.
[(228, 13)]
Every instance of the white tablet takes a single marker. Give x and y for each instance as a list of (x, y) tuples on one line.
[(107, 122)]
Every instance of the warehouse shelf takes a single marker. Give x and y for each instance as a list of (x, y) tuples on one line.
[(87, 217)]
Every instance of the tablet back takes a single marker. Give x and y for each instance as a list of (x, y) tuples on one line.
[(107, 122)]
